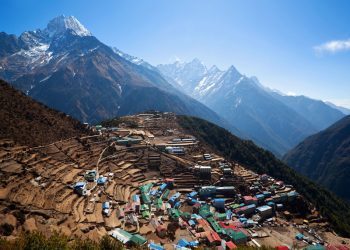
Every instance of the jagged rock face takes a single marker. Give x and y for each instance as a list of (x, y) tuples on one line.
[(67, 68), (274, 121)]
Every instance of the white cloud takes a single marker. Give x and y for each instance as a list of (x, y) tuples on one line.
[(342, 102), (333, 46), (291, 93)]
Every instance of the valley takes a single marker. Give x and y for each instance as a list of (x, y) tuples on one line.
[(144, 178), (324, 157), (102, 150)]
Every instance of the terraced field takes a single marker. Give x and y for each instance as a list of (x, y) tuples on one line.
[(38, 182)]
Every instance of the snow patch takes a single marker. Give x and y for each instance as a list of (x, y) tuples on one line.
[(238, 102), (35, 56), (62, 23), (62, 58), (91, 50), (45, 79)]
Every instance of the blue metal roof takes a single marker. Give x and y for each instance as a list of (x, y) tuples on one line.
[(191, 222), (251, 206), (243, 219), (163, 186), (264, 208), (136, 198), (193, 243), (80, 184), (192, 194), (105, 205), (154, 246), (183, 243), (102, 180)]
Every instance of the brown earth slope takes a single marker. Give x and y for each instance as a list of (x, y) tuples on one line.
[(30, 123)]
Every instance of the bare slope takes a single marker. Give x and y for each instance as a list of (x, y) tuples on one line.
[(31, 123)]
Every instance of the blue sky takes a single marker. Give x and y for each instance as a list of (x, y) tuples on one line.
[(295, 46)]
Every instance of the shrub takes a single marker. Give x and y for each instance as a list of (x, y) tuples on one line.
[(6, 229)]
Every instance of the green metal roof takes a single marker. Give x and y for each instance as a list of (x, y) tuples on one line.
[(204, 211), (158, 202), (166, 194), (186, 216), (215, 225), (144, 207), (235, 236), (174, 213), (138, 239), (234, 206), (317, 247), (145, 198), (146, 214), (146, 188), (124, 233), (220, 216)]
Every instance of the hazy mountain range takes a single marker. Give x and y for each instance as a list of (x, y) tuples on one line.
[(273, 120), (65, 67)]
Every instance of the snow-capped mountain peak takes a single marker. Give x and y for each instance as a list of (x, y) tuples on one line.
[(62, 23), (213, 69), (232, 70), (196, 61)]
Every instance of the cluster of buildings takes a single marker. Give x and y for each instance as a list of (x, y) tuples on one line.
[(219, 215), (90, 181), (216, 216)]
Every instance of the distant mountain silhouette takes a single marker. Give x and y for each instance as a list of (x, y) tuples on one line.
[(274, 121), (325, 157)]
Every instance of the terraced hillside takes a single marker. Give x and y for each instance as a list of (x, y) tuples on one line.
[(38, 183), (141, 187)]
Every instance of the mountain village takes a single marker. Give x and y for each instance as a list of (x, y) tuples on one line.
[(145, 181)]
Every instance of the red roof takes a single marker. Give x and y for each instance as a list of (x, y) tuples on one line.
[(337, 247), (215, 236), (230, 245), (247, 197), (332, 247), (237, 224), (282, 248), (210, 238), (202, 222), (223, 225), (197, 205)]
